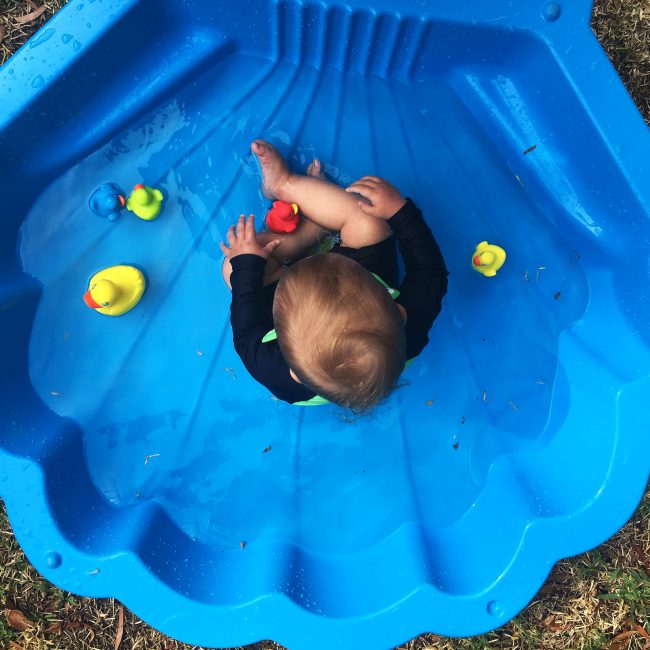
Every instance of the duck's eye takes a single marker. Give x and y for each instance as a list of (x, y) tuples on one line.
[(94, 285), (105, 304)]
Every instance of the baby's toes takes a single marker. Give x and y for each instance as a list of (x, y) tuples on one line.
[(315, 170)]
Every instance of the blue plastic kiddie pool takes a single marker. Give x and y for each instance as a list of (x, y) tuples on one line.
[(139, 460)]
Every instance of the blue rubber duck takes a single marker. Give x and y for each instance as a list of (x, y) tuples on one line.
[(107, 201)]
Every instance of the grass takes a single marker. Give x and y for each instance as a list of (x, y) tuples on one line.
[(597, 601)]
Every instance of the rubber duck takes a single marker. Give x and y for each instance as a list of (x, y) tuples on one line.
[(107, 201), (145, 202), (282, 217), (488, 259), (115, 290)]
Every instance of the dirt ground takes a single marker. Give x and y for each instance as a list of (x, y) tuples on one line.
[(598, 600)]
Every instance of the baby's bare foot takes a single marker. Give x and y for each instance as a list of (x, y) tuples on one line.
[(275, 171), (315, 169)]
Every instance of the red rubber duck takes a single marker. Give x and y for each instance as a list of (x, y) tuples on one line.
[(282, 217)]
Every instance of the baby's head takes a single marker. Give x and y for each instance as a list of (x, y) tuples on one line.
[(339, 330)]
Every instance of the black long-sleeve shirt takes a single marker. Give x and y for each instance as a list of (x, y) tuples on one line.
[(421, 293)]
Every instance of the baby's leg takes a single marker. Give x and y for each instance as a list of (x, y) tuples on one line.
[(324, 203), (292, 245)]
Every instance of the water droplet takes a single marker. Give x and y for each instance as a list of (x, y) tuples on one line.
[(551, 11), (494, 608), (43, 36), (66, 38), (53, 560), (38, 82)]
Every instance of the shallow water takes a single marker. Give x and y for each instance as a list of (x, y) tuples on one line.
[(167, 409)]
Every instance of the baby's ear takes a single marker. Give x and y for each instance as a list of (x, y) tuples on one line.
[(294, 376)]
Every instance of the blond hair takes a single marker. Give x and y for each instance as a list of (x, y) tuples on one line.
[(339, 330)]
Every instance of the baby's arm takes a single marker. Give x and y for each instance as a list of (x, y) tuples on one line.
[(425, 283), (249, 316)]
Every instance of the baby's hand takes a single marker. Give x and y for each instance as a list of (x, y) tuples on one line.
[(244, 240), (384, 199)]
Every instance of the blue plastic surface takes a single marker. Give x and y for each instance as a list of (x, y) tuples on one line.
[(139, 460)]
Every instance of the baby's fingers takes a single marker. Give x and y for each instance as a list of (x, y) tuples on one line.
[(362, 188), (250, 227), (231, 237), (371, 180), (225, 250), (241, 227), (272, 245)]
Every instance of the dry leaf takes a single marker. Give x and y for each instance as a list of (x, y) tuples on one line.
[(31, 17), (54, 628), (621, 640), (120, 627), (14, 646), (17, 620), (60, 626), (642, 632), (3, 31)]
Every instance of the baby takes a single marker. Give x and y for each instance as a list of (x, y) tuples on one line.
[(329, 327)]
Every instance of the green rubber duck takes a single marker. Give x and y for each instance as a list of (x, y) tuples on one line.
[(145, 202)]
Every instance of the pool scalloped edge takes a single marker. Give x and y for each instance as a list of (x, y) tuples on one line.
[(24, 484)]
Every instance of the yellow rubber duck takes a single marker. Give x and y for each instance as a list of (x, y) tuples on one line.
[(488, 259), (145, 202), (115, 290)]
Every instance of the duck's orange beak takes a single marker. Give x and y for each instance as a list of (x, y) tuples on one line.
[(88, 299), (139, 186), (122, 200), (477, 260)]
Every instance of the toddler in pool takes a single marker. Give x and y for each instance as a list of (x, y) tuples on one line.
[(328, 327)]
